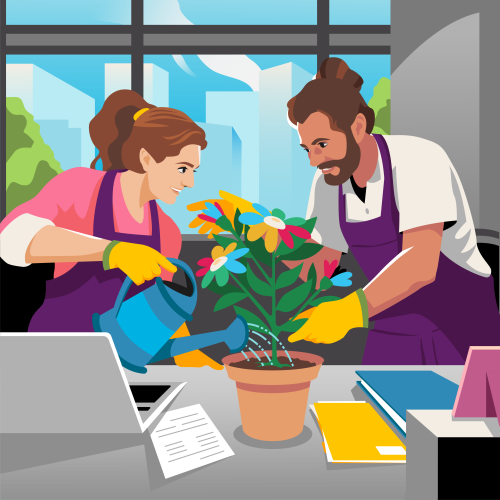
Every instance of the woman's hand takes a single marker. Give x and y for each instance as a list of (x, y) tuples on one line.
[(139, 262)]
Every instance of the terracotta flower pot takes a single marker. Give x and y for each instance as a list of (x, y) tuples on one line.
[(273, 403)]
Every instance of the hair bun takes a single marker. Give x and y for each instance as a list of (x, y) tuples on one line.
[(334, 68)]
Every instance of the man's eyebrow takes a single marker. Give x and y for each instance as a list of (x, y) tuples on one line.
[(313, 143)]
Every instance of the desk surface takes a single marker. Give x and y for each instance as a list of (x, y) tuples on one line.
[(102, 466)]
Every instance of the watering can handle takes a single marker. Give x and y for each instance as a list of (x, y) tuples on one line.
[(128, 282)]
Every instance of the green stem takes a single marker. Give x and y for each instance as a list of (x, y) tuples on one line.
[(250, 296), (254, 259), (307, 302), (273, 309)]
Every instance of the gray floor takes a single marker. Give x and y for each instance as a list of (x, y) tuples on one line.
[(348, 351)]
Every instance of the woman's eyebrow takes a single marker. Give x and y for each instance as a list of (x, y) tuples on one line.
[(185, 163)]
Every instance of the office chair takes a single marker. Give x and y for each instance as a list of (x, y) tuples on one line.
[(488, 242)]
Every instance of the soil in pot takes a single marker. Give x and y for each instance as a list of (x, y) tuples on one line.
[(255, 364)]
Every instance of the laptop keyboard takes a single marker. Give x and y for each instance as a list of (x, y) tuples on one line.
[(148, 393)]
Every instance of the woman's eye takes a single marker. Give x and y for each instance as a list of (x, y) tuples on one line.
[(323, 144), (182, 170)]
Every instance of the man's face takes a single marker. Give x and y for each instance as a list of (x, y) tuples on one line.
[(336, 154)]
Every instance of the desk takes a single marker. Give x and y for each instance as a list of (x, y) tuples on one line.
[(101, 466)]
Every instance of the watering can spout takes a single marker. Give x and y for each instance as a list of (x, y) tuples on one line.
[(235, 337)]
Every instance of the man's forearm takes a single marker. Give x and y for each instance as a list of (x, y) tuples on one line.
[(54, 244)]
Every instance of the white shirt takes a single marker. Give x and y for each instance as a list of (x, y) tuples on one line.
[(427, 190)]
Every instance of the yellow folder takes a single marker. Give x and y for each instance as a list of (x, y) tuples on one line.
[(354, 432)]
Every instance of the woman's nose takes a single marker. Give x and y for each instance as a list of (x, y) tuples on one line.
[(188, 180)]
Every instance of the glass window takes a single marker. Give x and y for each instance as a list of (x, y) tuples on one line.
[(360, 12), (241, 103), (203, 12), (68, 12), (50, 102)]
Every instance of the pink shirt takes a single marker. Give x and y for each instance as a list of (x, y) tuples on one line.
[(69, 201)]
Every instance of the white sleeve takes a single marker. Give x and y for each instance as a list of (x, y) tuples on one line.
[(423, 185), (324, 204), (16, 238)]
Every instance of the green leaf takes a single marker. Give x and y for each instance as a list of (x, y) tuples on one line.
[(224, 223), (309, 225), (238, 226), (249, 317), (284, 250), (222, 290), (223, 241), (293, 326), (207, 279), (294, 298), (278, 213), (306, 251), (312, 276), (295, 221), (325, 283), (288, 277), (257, 285), (320, 300), (229, 300)]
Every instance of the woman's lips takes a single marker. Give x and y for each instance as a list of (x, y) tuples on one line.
[(333, 171), (176, 191)]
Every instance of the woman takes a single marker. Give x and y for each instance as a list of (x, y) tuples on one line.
[(397, 203), (99, 226)]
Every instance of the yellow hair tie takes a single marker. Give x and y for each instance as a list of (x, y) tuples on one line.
[(139, 113)]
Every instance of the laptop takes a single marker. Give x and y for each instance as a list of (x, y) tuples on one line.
[(73, 383)]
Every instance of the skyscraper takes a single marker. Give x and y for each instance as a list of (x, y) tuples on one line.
[(48, 98), (241, 111), (285, 175)]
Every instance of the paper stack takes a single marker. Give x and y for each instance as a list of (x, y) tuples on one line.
[(354, 432)]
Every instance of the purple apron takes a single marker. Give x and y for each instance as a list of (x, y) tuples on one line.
[(438, 323), (71, 299)]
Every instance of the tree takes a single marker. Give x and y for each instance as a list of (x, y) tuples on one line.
[(381, 105), (30, 162)]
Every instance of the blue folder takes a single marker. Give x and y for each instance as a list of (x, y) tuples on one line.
[(408, 390)]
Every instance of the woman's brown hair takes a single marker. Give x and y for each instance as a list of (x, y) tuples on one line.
[(119, 138), (336, 93)]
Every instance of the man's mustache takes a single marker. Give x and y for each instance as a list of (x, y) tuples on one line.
[(328, 164)]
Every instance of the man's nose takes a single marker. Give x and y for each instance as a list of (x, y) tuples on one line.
[(316, 157)]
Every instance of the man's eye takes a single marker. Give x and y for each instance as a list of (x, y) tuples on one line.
[(306, 150), (323, 144)]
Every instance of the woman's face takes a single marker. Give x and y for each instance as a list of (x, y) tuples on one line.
[(168, 178)]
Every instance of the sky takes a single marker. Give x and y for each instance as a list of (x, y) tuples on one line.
[(288, 12)]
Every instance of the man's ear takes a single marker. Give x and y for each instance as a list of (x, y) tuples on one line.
[(359, 127), (146, 160)]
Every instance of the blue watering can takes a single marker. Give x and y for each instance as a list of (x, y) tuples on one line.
[(141, 326)]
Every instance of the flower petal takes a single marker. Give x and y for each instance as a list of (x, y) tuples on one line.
[(250, 219), (222, 276), (278, 213), (262, 210), (219, 208), (207, 279), (299, 231), (238, 253), (295, 221), (230, 248), (342, 279), (217, 252), (205, 262), (329, 268), (255, 232), (286, 237), (211, 211), (206, 218), (271, 239), (202, 272), (235, 267)]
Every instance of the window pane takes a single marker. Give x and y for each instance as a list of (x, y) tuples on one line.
[(376, 90), (360, 12), (241, 103), (230, 12), (68, 12), (50, 102)]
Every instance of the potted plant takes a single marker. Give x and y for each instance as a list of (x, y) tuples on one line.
[(272, 383)]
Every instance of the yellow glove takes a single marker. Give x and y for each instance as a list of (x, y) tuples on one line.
[(330, 321), (192, 359), (139, 262), (229, 203)]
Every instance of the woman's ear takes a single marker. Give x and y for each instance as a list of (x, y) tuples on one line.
[(147, 161), (359, 127)]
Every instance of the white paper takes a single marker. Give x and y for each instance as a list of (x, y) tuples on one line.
[(391, 450), (186, 439)]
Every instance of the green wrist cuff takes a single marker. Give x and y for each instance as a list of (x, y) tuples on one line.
[(364, 306), (105, 255)]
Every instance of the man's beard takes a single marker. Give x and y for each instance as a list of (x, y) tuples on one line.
[(347, 165)]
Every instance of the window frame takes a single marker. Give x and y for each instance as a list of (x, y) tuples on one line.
[(137, 49)]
